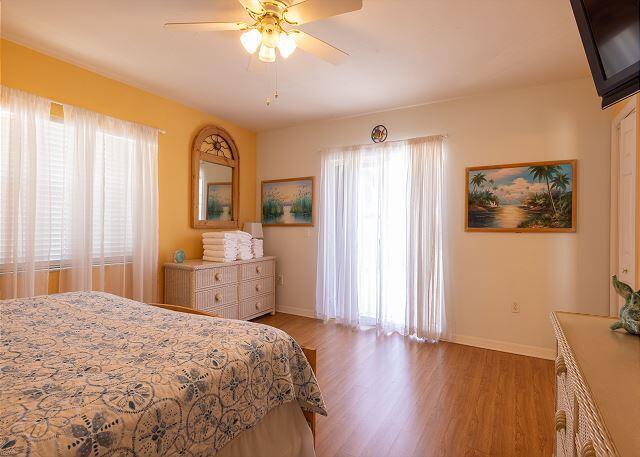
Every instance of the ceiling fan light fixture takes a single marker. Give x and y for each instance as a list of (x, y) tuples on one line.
[(270, 22), (286, 45), (270, 37), (267, 54), (251, 40)]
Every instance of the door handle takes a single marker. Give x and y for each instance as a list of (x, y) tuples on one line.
[(625, 271)]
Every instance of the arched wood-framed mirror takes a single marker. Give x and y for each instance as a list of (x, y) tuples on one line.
[(215, 179)]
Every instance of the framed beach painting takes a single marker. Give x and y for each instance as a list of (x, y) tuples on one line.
[(288, 202), (522, 197), (219, 201)]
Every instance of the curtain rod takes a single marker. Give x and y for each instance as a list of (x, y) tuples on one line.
[(162, 132), (445, 136)]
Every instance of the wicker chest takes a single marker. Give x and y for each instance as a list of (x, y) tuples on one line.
[(597, 388), (234, 290)]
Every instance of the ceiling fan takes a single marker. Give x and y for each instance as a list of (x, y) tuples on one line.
[(272, 26)]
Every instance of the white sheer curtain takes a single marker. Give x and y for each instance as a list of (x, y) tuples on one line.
[(338, 244), (425, 312), (94, 206), (112, 194), (380, 243), (25, 193)]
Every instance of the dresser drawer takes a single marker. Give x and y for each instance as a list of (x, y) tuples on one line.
[(227, 312), (564, 384), (589, 437), (219, 296), (256, 287), (216, 276), (562, 433), (564, 407), (256, 305), (257, 269)]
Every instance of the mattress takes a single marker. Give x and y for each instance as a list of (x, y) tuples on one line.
[(92, 374)]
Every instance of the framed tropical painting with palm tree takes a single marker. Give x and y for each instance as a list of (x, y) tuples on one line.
[(522, 197)]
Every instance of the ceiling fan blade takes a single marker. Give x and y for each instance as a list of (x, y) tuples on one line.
[(319, 48), (252, 5), (312, 10), (205, 26)]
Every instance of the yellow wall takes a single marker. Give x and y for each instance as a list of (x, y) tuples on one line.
[(31, 71)]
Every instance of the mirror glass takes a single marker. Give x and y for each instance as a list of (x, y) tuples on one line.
[(215, 196)]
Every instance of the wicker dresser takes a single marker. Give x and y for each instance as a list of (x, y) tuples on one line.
[(597, 388), (234, 290)]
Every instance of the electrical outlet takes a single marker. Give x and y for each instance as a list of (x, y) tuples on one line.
[(281, 279), (515, 307)]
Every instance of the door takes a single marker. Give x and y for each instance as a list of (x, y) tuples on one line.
[(627, 201)]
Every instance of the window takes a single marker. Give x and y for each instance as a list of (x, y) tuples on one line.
[(111, 197), (112, 225), (78, 192), (380, 237)]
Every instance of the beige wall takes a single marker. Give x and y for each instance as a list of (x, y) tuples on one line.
[(28, 70), (486, 272)]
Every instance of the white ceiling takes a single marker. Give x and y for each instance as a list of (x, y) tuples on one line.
[(403, 52)]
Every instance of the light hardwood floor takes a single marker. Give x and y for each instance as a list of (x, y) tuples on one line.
[(390, 396)]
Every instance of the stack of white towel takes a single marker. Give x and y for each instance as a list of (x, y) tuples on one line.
[(219, 246), (244, 246), (226, 246), (256, 244)]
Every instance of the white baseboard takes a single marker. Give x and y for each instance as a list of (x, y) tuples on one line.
[(304, 312), (504, 346), (485, 343)]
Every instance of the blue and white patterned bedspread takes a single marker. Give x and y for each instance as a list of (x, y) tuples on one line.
[(92, 374)]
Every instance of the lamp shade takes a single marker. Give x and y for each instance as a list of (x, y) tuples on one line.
[(254, 228), (267, 54), (251, 39), (287, 45)]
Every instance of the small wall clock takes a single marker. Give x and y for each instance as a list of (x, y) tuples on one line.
[(379, 134)]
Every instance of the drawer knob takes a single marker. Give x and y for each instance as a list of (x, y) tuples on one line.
[(218, 296), (588, 450), (561, 367), (258, 269), (561, 421), (218, 276), (258, 305), (258, 287)]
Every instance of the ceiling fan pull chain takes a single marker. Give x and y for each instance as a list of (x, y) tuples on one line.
[(267, 100), (276, 94)]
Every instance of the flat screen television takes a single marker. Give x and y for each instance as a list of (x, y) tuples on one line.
[(610, 31)]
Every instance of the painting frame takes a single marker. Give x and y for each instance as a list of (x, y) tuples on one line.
[(218, 184), (574, 198), (312, 182)]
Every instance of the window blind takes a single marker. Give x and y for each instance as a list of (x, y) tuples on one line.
[(111, 203)]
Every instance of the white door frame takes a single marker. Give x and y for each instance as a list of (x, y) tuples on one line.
[(626, 110)]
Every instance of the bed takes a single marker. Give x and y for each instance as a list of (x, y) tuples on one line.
[(93, 374)]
